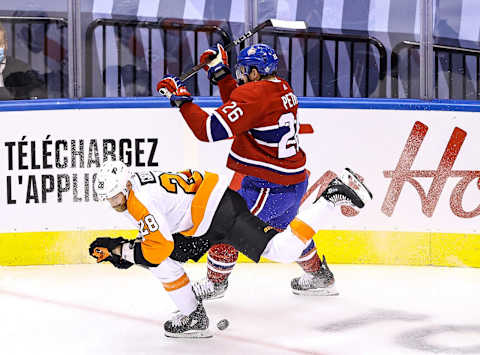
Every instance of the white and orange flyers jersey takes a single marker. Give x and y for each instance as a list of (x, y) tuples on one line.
[(164, 203)]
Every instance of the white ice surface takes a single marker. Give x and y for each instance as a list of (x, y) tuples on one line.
[(96, 309)]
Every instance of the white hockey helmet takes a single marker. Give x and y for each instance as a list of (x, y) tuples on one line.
[(111, 179)]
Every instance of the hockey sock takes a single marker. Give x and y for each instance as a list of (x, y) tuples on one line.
[(177, 284), (220, 262), (309, 260), (315, 217), (180, 291)]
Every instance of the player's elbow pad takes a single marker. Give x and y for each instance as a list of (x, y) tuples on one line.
[(140, 258), (201, 137), (158, 253)]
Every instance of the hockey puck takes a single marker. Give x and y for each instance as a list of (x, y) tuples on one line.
[(223, 324)]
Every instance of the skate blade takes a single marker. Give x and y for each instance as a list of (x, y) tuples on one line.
[(213, 298), (192, 334), (349, 178), (324, 291)]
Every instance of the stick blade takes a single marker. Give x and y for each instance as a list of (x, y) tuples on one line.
[(291, 25)]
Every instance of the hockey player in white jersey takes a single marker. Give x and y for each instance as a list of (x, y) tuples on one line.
[(181, 215)]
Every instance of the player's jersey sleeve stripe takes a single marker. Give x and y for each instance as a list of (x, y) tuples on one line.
[(301, 230), (177, 284), (200, 201), (219, 129), (155, 247), (208, 128)]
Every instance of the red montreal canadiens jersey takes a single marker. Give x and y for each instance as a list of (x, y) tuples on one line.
[(261, 117)]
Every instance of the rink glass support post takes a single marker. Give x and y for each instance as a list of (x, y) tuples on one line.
[(252, 18), (426, 50), (75, 71)]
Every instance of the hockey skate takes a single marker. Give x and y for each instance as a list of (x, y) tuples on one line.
[(195, 325), (320, 283), (205, 289), (347, 190)]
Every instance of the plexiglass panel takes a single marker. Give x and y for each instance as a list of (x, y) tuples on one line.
[(353, 48), (130, 45), (33, 49), (457, 49)]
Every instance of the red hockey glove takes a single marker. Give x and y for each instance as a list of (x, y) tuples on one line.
[(217, 63), (214, 56), (174, 89)]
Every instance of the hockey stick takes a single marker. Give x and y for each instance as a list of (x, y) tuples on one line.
[(292, 25)]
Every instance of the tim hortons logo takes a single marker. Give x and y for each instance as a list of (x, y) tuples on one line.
[(403, 174)]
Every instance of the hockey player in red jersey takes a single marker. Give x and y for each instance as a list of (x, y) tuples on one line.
[(259, 112)]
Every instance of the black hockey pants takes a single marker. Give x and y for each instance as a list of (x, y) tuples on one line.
[(232, 224)]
